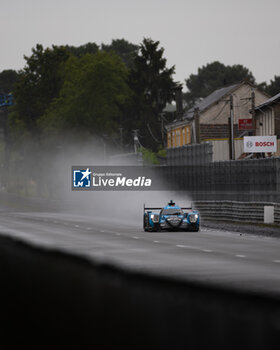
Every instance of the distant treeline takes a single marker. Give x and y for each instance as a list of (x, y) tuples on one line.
[(106, 90), (102, 90)]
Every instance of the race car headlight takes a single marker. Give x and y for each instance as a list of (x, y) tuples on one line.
[(155, 218), (193, 218)]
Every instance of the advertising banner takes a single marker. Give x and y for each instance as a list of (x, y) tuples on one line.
[(260, 144)]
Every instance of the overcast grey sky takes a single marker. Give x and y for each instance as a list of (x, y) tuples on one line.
[(193, 32)]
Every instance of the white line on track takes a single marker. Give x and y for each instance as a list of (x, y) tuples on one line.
[(156, 241), (276, 261), (207, 250), (240, 256), (135, 237), (189, 247), (77, 225), (113, 232)]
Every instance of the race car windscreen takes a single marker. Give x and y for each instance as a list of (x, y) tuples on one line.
[(172, 211)]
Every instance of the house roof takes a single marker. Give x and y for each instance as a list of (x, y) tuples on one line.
[(213, 98), (268, 102), (205, 103)]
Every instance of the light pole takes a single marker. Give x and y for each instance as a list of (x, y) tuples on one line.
[(231, 122), (135, 140), (6, 100)]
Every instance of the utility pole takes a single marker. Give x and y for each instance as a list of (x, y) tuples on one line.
[(6, 163), (197, 124), (231, 131), (253, 113), (163, 132), (104, 136), (121, 138), (135, 140), (6, 100)]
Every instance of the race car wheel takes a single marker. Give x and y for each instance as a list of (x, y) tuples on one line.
[(156, 228), (146, 223), (192, 229)]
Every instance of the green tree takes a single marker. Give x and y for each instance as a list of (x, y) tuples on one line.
[(274, 87), (121, 47), (8, 79), (126, 50), (38, 84), (153, 87), (83, 49), (213, 76), (94, 89)]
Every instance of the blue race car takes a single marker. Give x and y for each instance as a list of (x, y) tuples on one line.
[(170, 218)]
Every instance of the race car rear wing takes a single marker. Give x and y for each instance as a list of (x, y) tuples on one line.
[(157, 208), (151, 208)]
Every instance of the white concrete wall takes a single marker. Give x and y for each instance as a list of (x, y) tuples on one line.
[(221, 149), (265, 122)]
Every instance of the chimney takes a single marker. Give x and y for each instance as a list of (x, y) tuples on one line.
[(179, 102)]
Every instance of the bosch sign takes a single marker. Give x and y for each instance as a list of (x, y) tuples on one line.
[(260, 144), (264, 144)]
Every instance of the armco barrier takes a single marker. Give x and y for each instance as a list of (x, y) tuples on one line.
[(236, 211), (190, 154), (51, 300), (254, 180)]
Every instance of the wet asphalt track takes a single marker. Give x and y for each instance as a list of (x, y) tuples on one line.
[(212, 256)]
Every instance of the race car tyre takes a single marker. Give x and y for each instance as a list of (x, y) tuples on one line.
[(146, 224)]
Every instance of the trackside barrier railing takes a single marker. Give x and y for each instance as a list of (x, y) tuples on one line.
[(237, 211), (255, 180), (190, 154)]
